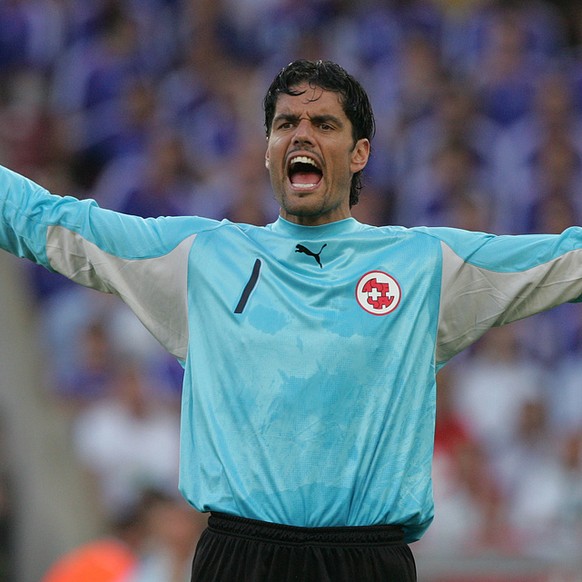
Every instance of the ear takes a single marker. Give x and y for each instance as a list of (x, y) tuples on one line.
[(267, 160), (360, 155)]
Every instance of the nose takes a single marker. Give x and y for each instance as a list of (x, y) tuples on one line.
[(303, 133)]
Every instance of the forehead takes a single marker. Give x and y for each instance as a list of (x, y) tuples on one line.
[(314, 100)]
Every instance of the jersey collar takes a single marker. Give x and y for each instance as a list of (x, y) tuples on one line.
[(315, 232)]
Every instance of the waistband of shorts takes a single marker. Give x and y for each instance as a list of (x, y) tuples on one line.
[(242, 527)]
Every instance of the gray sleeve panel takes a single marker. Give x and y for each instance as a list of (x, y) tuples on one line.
[(154, 288), (474, 299)]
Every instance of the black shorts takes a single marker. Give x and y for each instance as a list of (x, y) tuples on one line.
[(234, 549)]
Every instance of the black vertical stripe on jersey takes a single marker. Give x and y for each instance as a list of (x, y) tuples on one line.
[(249, 287)]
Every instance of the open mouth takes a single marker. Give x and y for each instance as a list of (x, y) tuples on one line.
[(304, 172)]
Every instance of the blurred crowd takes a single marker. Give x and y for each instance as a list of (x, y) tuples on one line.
[(153, 107)]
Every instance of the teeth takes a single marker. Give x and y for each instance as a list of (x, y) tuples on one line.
[(302, 160)]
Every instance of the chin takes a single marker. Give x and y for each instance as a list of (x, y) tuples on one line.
[(305, 210)]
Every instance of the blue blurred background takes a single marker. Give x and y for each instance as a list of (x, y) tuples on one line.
[(153, 107)]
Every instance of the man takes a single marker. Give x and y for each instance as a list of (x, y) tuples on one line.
[(310, 346)]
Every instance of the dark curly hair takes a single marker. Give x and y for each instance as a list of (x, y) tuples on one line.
[(330, 77)]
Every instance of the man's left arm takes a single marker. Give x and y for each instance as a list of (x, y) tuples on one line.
[(490, 280)]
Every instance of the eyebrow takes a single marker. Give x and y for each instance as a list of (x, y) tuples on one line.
[(322, 118)]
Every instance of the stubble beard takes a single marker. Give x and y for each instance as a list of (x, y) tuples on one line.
[(308, 205)]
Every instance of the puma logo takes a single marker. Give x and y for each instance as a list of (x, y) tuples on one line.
[(302, 249)]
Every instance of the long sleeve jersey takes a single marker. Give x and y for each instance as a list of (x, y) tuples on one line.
[(310, 353)]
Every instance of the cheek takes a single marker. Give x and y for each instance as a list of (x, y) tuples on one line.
[(272, 160), (343, 167), (274, 147)]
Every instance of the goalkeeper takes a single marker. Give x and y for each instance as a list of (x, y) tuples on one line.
[(310, 345)]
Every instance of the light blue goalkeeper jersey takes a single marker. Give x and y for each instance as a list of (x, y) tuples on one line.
[(310, 353)]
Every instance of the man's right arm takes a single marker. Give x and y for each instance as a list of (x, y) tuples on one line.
[(144, 261)]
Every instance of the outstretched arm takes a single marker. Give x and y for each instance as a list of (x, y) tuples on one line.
[(492, 280), (144, 261)]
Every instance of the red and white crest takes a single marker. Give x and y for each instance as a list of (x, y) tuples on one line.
[(378, 293)]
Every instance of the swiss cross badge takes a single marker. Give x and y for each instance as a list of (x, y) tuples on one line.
[(378, 293)]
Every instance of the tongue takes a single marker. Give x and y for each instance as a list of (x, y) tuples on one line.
[(305, 178)]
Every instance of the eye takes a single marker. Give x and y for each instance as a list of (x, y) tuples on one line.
[(285, 125), (325, 126)]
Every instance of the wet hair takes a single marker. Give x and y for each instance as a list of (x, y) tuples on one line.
[(330, 77)]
